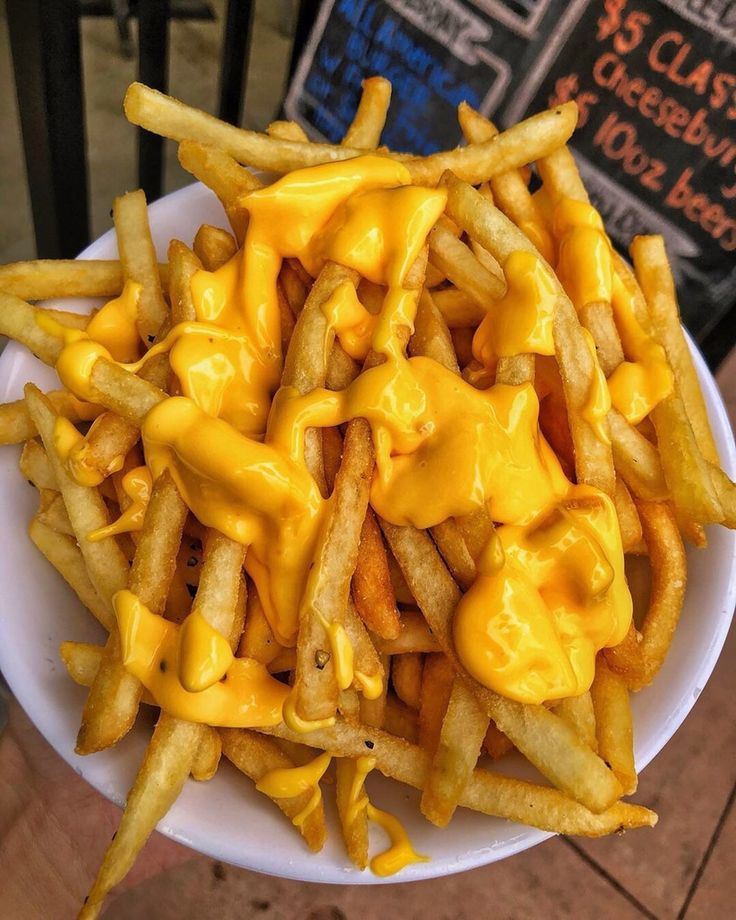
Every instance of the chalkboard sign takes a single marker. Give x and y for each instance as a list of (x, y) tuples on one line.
[(655, 81)]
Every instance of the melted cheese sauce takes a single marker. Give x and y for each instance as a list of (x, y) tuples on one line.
[(233, 441)]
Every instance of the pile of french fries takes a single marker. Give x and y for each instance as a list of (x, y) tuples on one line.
[(395, 589)]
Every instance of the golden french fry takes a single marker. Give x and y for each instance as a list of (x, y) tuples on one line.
[(287, 131), (353, 820), (399, 719), (495, 743), (459, 309), (367, 125), (224, 175), (184, 264), (454, 550), (535, 731), (496, 233), (636, 459), (165, 768), (35, 466), (16, 424), (613, 724), (372, 592), (525, 142), (255, 755), (62, 552), (669, 579), (138, 258), (406, 676), (628, 519), (18, 320), (578, 712), (373, 712), (414, 636), (489, 793), (685, 469), (458, 263), (726, 492), (258, 641), (438, 678), (44, 279), (214, 246), (112, 703), (207, 756), (81, 660), (463, 729), (52, 514), (655, 277), (171, 118)]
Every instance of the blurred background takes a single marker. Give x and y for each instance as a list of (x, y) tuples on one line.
[(655, 85)]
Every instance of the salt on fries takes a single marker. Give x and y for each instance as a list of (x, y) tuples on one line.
[(329, 371)]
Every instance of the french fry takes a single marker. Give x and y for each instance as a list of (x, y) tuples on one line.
[(214, 246), (18, 320), (255, 755), (523, 143), (184, 264), (685, 469), (431, 336), (438, 678), (669, 579), (414, 636), (112, 703), (372, 592), (487, 225), (459, 309), (170, 118), (64, 555), (463, 729), (454, 550), (207, 756), (655, 277), (164, 770), (399, 719), (287, 131), (257, 641), (578, 712), (81, 660), (138, 258), (544, 739), (353, 821), (106, 565), (52, 514), (510, 191), (628, 519), (406, 676), (458, 263), (636, 459), (495, 743), (16, 424), (224, 175), (613, 724), (35, 466), (489, 793), (55, 278), (373, 712), (462, 342), (365, 130), (174, 750)]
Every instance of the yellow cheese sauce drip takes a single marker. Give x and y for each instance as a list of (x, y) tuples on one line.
[(235, 447), (401, 853), (530, 627), (585, 268), (645, 379), (521, 321), (246, 696), (286, 782), (136, 484)]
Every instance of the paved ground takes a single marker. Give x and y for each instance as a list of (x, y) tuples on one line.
[(686, 868)]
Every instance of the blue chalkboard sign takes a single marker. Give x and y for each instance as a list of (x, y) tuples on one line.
[(655, 81)]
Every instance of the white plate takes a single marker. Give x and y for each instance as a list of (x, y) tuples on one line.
[(225, 818)]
